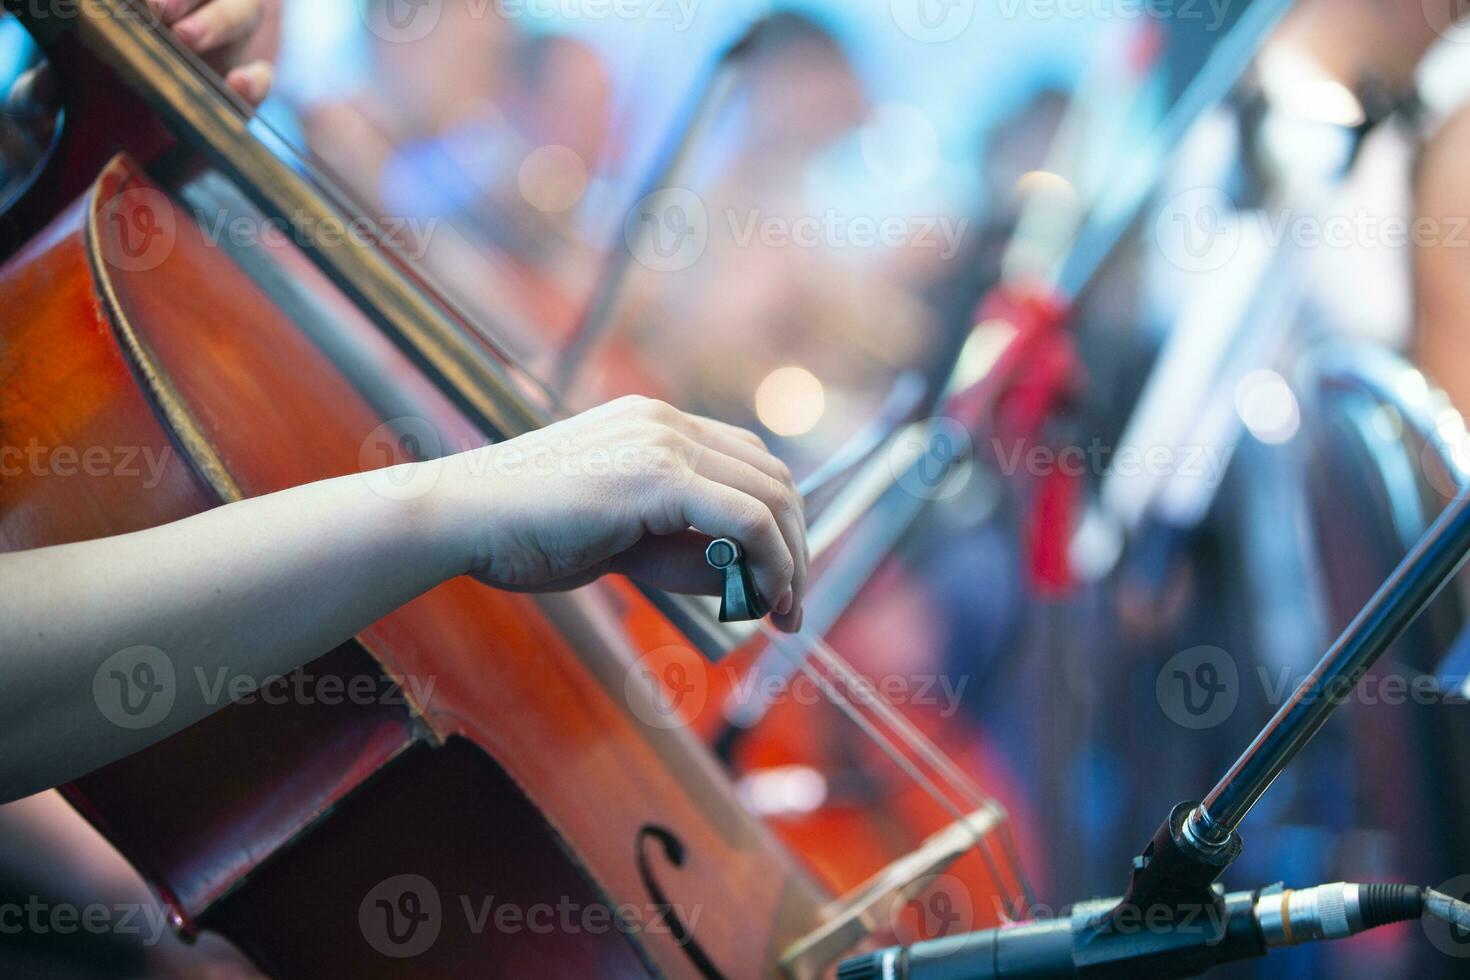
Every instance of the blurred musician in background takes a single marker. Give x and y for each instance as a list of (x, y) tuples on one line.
[(497, 136), (782, 322)]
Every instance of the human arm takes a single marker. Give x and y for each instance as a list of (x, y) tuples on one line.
[(262, 586)]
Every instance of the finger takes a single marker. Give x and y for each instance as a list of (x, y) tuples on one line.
[(252, 82), (673, 563), (729, 439), (742, 444), (780, 500), (721, 511), (219, 24), (749, 447), (169, 11), (744, 435)]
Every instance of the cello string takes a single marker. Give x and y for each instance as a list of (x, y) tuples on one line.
[(937, 758), (942, 762), (921, 746), (346, 202), (916, 741), (885, 743), (342, 195)]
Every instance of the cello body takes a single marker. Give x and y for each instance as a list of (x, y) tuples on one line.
[(480, 783), (502, 752)]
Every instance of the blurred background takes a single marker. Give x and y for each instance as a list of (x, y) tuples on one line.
[(1213, 295)]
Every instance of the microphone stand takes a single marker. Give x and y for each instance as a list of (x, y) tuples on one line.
[(1175, 920)]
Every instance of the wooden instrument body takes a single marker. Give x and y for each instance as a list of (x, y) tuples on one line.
[(127, 332), (517, 752)]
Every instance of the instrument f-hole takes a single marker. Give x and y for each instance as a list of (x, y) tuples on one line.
[(674, 852)]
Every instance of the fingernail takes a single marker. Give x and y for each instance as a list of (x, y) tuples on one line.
[(783, 606)]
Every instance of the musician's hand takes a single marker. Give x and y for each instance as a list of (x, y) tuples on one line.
[(635, 487), (234, 36)]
